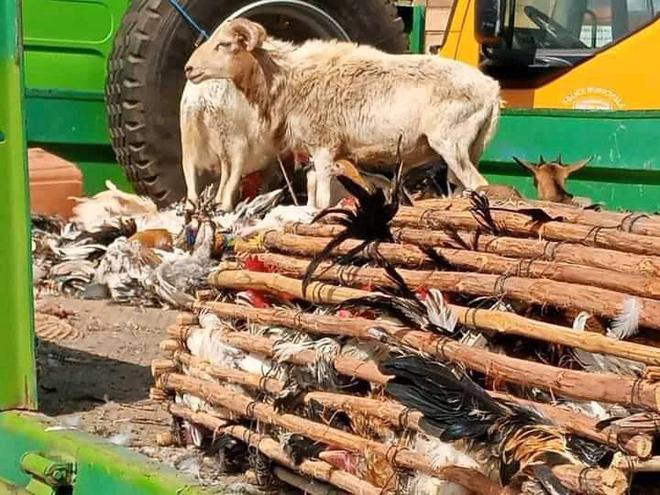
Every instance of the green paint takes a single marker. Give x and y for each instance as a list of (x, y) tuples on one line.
[(70, 117), (67, 45), (101, 468), (625, 172), (17, 358), (7, 488), (416, 35)]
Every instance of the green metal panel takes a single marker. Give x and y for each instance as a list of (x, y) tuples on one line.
[(416, 35), (17, 359), (101, 468), (67, 44), (625, 172)]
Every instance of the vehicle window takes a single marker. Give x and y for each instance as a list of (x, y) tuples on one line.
[(578, 24)]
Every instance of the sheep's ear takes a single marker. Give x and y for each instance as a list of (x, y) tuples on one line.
[(525, 164), (576, 166), (251, 33)]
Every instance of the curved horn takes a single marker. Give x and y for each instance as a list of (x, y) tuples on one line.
[(253, 33), (558, 160), (525, 164), (576, 166), (541, 160)]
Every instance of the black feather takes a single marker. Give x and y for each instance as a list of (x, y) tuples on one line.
[(231, 454), (455, 407), (438, 259), (591, 453), (456, 237), (481, 210), (370, 222), (409, 309), (300, 448), (324, 254), (52, 225), (404, 310)]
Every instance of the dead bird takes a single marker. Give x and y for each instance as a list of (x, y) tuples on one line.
[(300, 448), (154, 238), (368, 222), (431, 314), (456, 408)]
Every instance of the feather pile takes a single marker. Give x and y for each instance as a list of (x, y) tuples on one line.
[(120, 246), (440, 348)]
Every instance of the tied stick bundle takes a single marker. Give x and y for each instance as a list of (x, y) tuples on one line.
[(451, 347)]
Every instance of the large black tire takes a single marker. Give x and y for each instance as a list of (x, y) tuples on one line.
[(145, 76)]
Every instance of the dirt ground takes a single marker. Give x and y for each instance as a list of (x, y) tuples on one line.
[(97, 378)]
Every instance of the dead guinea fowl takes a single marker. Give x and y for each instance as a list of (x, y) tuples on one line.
[(455, 407)]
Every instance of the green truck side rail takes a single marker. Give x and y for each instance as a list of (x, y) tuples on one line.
[(18, 387), (68, 43)]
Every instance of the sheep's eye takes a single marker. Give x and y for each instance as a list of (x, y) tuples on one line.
[(222, 44)]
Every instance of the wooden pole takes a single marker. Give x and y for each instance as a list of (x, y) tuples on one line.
[(411, 255), (480, 319), (511, 247), (315, 468), (229, 374), (631, 464), (639, 445), (578, 384), (635, 222), (563, 295), (246, 406), (261, 345), (519, 224), (486, 320)]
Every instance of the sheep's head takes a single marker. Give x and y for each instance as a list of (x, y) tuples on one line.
[(550, 177), (227, 52)]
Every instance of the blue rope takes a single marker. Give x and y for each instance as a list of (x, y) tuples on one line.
[(182, 12)]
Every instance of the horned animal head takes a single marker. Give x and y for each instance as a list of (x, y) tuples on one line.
[(550, 177), (227, 52)]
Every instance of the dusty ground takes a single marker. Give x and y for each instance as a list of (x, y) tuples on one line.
[(97, 379)]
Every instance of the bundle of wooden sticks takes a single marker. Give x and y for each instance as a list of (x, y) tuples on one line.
[(483, 348)]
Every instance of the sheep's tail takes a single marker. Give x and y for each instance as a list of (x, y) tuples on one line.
[(486, 131)]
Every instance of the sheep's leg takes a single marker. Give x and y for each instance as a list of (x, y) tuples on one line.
[(195, 156), (323, 161), (460, 168), (232, 185), (225, 170), (311, 188)]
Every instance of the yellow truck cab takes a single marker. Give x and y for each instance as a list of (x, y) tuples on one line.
[(579, 78)]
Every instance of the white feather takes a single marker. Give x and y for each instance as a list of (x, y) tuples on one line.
[(439, 313), (626, 324), (607, 364), (441, 454), (203, 345)]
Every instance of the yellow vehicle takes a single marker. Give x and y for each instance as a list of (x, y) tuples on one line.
[(579, 78)]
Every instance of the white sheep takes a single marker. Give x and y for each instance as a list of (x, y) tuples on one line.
[(221, 134), (334, 100)]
